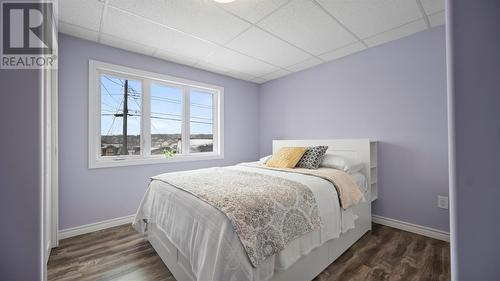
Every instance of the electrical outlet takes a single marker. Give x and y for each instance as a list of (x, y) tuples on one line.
[(443, 202)]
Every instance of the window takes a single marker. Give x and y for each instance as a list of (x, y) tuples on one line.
[(120, 115), (139, 117), (166, 119)]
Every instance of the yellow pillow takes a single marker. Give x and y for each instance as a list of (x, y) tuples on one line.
[(287, 157)]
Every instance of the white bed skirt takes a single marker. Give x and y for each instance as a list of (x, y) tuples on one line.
[(306, 268)]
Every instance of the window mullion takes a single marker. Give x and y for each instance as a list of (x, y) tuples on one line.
[(215, 122), (146, 118), (96, 122), (185, 121)]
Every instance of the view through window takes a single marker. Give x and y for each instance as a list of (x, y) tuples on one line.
[(201, 138), (120, 116), (166, 119), (137, 115)]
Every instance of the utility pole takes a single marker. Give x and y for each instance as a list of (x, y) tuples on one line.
[(125, 115)]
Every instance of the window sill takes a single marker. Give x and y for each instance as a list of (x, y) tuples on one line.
[(108, 163)]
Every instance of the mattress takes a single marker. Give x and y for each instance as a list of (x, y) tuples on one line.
[(205, 236)]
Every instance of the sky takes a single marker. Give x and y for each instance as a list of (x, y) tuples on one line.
[(166, 108)]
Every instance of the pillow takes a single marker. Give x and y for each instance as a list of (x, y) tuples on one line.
[(333, 161), (312, 158), (354, 168), (287, 157), (339, 163), (264, 159)]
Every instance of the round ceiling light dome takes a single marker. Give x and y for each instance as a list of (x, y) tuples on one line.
[(224, 1)]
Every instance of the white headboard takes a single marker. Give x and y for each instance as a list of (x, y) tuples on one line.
[(353, 150)]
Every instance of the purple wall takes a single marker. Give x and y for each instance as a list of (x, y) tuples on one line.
[(20, 175), (474, 45), (394, 93), (87, 196)]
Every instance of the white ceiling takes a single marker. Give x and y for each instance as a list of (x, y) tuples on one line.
[(254, 40)]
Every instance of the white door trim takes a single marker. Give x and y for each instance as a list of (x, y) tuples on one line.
[(55, 160), (49, 160)]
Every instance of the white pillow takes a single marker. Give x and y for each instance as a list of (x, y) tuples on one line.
[(332, 161), (354, 168), (264, 159), (339, 163)]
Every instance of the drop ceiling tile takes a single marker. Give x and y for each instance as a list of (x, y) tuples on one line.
[(307, 26), (121, 43), (203, 19), (343, 51), (151, 9), (78, 31), (131, 27), (437, 19), (210, 67), (235, 61), (173, 57), (239, 75), (396, 33), (275, 75), (304, 64), (432, 6), (254, 10), (259, 80), (86, 14), (260, 44), (367, 18)]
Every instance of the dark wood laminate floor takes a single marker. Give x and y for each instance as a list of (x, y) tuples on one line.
[(120, 253)]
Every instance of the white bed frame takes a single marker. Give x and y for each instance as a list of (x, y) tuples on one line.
[(309, 266)]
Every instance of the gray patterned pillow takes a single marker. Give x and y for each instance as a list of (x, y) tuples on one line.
[(312, 157)]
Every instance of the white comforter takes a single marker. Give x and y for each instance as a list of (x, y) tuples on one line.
[(205, 236)]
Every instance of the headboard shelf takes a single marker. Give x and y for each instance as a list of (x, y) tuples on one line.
[(374, 170)]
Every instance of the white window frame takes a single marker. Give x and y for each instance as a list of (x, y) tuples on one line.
[(96, 68)]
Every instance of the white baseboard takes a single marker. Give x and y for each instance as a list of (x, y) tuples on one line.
[(83, 229), (406, 226), (415, 228)]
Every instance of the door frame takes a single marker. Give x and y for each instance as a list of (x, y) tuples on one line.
[(50, 176)]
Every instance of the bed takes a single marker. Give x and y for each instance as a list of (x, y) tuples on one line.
[(198, 242)]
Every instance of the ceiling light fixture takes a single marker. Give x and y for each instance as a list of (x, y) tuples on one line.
[(224, 1)]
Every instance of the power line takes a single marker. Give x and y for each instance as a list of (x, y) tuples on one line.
[(135, 95), (157, 97), (106, 89), (173, 119), (112, 107), (110, 127)]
